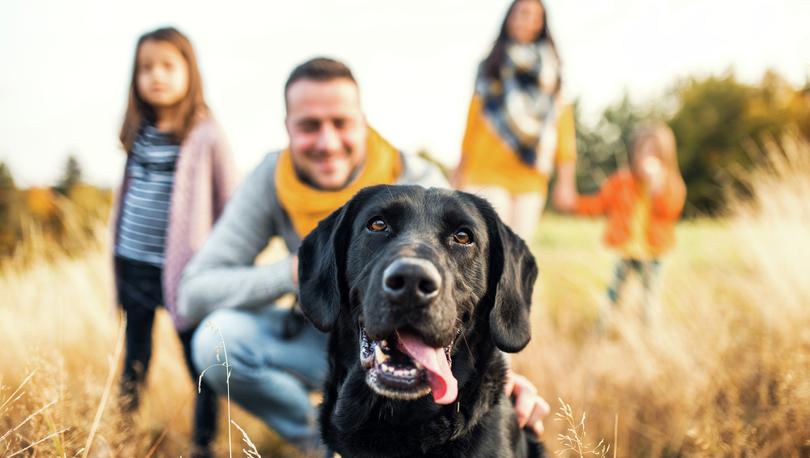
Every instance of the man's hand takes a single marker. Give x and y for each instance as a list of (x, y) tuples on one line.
[(530, 408)]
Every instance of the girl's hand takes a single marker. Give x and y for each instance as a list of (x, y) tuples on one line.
[(653, 173), (530, 408)]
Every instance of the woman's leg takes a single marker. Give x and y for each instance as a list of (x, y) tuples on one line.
[(498, 197), (526, 211)]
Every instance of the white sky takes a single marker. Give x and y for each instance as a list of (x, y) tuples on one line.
[(65, 65)]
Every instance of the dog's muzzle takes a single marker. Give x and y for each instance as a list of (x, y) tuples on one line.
[(404, 367)]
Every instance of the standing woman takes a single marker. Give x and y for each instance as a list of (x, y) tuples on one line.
[(517, 127), (178, 175)]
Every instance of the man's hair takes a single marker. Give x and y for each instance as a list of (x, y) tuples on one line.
[(319, 69)]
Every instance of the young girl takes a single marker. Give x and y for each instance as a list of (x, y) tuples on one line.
[(178, 176), (642, 205), (518, 129)]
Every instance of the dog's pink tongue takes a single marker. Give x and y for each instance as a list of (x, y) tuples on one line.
[(434, 360)]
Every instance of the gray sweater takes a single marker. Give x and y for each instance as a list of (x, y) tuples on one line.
[(223, 273)]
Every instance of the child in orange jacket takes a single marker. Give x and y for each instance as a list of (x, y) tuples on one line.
[(642, 205)]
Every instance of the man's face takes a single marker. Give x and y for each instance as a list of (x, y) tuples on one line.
[(327, 130)]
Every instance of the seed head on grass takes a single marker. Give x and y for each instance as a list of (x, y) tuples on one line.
[(251, 451), (573, 440), (222, 360)]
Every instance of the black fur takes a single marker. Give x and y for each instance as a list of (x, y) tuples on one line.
[(483, 306)]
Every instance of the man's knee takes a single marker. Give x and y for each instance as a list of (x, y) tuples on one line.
[(223, 338)]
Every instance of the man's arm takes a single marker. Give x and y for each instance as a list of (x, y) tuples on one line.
[(530, 408), (222, 274)]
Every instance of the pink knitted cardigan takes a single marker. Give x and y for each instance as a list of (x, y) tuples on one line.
[(203, 181)]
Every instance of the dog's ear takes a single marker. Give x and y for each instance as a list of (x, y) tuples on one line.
[(512, 274), (321, 264)]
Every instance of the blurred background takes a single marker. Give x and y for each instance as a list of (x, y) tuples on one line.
[(732, 79)]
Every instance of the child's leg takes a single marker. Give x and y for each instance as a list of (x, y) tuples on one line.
[(614, 292), (206, 401), (649, 281), (139, 294), (619, 279), (138, 343)]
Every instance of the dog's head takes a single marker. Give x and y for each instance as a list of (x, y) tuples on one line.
[(407, 273)]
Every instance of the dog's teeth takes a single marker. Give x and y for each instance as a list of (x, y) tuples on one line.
[(379, 356)]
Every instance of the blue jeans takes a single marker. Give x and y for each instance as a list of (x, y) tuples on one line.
[(271, 375)]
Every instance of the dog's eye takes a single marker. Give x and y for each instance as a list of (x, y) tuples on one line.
[(463, 237), (377, 225)]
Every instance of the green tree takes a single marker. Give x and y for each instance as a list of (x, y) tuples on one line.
[(603, 148), (71, 176), (6, 178), (720, 125), (9, 217)]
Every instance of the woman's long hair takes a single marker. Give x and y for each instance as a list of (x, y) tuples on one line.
[(492, 64), (191, 107)]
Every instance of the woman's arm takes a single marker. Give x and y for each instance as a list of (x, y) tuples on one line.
[(564, 193)]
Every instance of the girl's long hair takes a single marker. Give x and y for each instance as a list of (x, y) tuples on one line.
[(492, 63), (191, 108)]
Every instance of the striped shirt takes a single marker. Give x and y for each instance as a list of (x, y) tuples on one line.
[(145, 206)]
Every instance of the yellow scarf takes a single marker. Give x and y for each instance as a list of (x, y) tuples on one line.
[(306, 205)]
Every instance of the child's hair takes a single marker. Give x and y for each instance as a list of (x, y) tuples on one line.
[(665, 140), (191, 107)]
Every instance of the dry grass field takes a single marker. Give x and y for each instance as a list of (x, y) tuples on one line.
[(723, 371)]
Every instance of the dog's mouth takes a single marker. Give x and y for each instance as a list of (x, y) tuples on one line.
[(404, 367)]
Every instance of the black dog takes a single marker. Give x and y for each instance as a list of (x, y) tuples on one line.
[(411, 282)]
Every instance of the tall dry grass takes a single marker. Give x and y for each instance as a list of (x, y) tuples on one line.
[(59, 332), (724, 371)]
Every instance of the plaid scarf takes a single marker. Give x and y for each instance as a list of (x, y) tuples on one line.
[(523, 104)]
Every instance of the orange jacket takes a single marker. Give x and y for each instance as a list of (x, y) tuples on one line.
[(617, 198)]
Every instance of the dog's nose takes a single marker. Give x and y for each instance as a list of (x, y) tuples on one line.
[(411, 281)]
